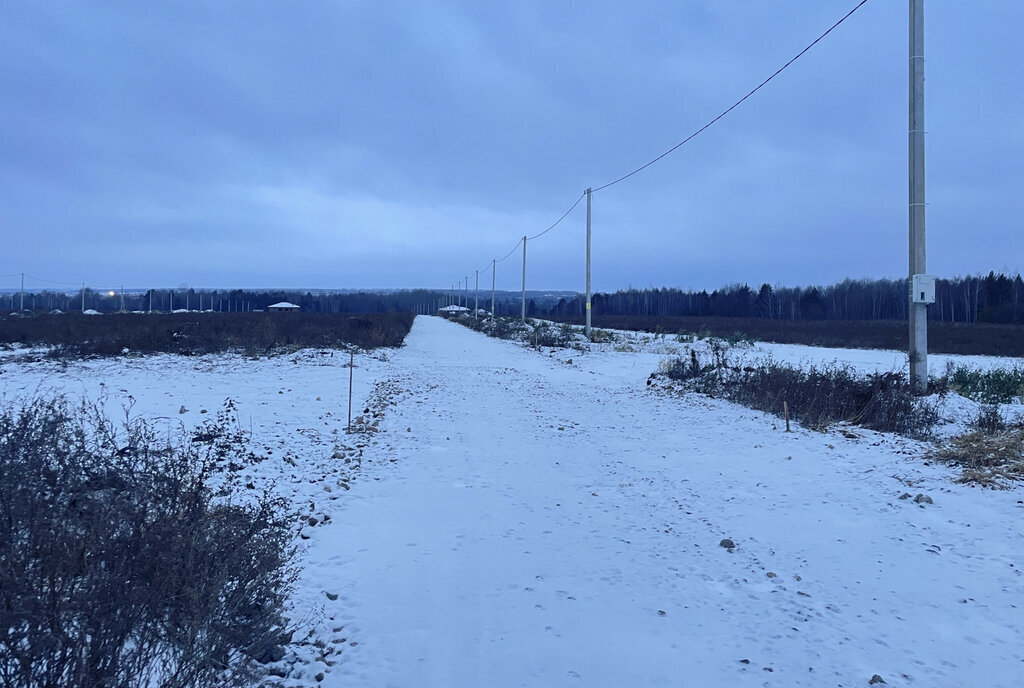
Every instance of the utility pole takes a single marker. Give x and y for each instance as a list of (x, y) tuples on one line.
[(83, 297), (493, 265), (122, 298), (918, 320), (523, 316), (466, 294), (476, 299), (23, 291), (587, 328)]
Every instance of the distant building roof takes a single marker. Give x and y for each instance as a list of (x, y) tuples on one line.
[(284, 306)]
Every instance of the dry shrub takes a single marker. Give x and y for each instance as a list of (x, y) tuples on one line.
[(125, 560), (76, 335), (988, 458), (817, 396)]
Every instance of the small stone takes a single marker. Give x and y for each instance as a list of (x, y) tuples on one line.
[(408, 429), (183, 409), (905, 495), (728, 544), (331, 596), (744, 661), (876, 679), (318, 398), (272, 653), (662, 612), (202, 410), (923, 499), (770, 574), (320, 677), (312, 521), (280, 672)]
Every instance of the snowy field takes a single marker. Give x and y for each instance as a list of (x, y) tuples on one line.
[(518, 518)]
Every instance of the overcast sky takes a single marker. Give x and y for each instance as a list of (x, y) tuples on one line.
[(405, 144)]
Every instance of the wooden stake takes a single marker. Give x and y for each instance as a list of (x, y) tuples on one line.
[(785, 409), (351, 367)]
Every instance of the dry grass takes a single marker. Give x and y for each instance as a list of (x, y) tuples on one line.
[(990, 459)]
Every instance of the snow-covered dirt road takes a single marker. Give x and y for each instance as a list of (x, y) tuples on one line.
[(528, 521), (548, 519)]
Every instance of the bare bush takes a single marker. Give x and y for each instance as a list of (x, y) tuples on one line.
[(817, 396), (75, 335), (989, 419), (120, 566)]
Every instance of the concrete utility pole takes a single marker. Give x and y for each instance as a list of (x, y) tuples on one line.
[(494, 264), (83, 297), (587, 328), (23, 291), (523, 316), (918, 350), (122, 298), (466, 294), (476, 299)]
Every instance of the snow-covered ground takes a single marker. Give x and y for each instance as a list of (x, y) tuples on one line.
[(531, 519)]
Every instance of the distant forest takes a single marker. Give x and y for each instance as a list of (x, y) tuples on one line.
[(995, 298)]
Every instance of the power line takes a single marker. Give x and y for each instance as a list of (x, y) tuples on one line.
[(736, 104), (687, 139), (514, 248), (564, 215)]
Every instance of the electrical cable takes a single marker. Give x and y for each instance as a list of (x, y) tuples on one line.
[(510, 252), (564, 215), (734, 105)]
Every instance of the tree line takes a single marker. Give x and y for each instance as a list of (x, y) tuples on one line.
[(995, 298)]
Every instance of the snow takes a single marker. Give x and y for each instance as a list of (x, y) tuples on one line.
[(525, 518)]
